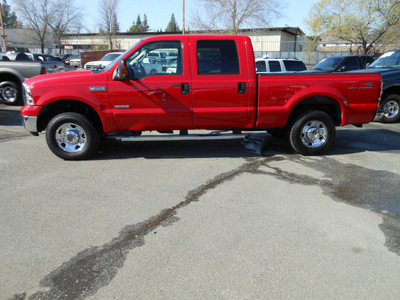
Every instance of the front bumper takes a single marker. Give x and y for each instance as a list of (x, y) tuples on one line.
[(30, 124), (30, 115)]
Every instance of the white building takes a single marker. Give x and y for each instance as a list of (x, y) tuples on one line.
[(282, 39)]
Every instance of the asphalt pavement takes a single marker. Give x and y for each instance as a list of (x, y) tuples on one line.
[(201, 220)]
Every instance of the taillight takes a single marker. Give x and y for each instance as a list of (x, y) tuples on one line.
[(42, 71)]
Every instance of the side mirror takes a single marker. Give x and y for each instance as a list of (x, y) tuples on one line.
[(343, 69), (121, 71)]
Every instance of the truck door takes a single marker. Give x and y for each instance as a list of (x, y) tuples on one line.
[(157, 94), (220, 87)]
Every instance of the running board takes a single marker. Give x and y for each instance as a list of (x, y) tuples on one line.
[(189, 137)]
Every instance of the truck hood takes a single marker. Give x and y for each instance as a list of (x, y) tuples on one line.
[(71, 76)]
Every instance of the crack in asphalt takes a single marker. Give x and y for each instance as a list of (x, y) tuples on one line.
[(95, 267)]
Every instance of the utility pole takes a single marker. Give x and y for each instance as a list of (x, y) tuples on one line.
[(183, 21), (3, 35)]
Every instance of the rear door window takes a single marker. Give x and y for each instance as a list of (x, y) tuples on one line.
[(217, 57), (260, 66), (293, 65), (274, 66)]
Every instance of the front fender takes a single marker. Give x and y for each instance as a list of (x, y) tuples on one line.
[(98, 100)]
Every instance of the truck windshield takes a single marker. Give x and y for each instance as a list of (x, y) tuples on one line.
[(389, 59), (328, 64)]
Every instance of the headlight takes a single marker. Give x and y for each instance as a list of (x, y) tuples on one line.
[(27, 95)]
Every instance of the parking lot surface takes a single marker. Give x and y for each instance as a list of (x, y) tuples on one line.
[(201, 220)]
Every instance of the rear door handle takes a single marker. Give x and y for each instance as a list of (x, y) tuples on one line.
[(185, 88), (242, 87)]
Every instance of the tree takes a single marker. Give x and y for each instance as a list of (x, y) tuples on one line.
[(38, 14), (233, 15), (139, 26), (108, 21), (9, 18), (44, 15), (145, 24), (172, 25), (364, 24), (68, 19)]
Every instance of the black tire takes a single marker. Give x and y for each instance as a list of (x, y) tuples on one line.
[(391, 107), (71, 136), (312, 133), (10, 93)]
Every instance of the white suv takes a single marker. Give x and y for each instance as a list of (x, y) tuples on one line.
[(266, 65), (102, 63)]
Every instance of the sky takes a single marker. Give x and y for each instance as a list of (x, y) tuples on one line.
[(159, 13)]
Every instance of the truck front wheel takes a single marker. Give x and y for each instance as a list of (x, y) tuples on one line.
[(312, 133), (71, 136), (391, 108)]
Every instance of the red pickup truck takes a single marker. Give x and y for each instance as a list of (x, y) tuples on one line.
[(203, 82)]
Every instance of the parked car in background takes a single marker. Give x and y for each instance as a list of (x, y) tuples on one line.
[(171, 69), (343, 63), (157, 57), (52, 64), (74, 60), (103, 62), (266, 65), (67, 60), (64, 57), (15, 67), (388, 64)]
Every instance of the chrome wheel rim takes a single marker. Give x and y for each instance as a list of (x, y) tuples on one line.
[(391, 109), (9, 94), (314, 134), (70, 137)]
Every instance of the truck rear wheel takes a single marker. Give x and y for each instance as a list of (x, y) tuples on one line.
[(71, 136), (312, 133), (10, 93), (391, 108)]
